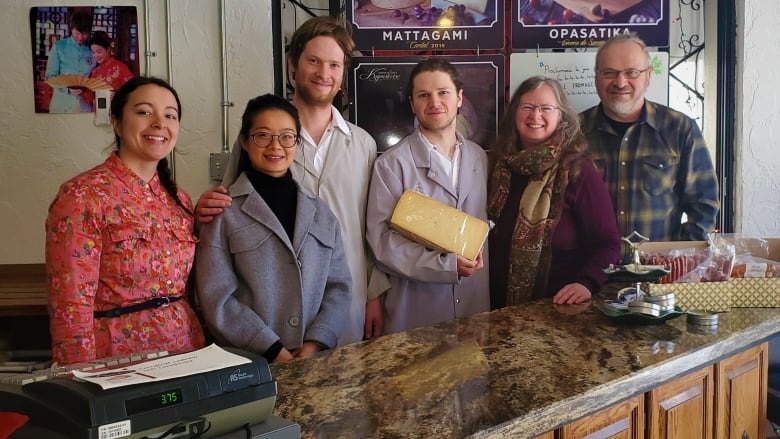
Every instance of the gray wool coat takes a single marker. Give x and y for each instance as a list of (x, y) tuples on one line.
[(255, 287), (343, 185)]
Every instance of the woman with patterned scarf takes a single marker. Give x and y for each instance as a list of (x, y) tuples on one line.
[(555, 227)]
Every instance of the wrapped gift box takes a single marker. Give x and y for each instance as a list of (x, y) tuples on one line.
[(438, 226), (712, 296), (755, 293), (758, 292), (719, 296)]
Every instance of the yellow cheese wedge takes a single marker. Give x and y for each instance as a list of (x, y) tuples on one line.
[(438, 226)]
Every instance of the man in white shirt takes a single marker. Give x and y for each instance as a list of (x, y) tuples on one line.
[(429, 286), (334, 162)]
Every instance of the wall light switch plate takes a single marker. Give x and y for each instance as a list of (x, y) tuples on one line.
[(102, 107), (217, 163)]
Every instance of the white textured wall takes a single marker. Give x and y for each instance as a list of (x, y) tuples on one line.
[(40, 151), (758, 119)]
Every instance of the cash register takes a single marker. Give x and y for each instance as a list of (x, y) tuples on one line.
[(232, 402)]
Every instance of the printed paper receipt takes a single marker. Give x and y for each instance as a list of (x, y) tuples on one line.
[(191, 363)]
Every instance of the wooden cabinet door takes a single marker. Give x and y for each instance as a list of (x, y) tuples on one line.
[(625, 420), (740, 395), (549, 435), (683, 408)]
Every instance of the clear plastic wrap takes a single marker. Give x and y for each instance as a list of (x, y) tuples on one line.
[(438, 226), (712, 263), (716, 266)]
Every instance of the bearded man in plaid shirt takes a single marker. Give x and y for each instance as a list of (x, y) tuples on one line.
[(654, 159)]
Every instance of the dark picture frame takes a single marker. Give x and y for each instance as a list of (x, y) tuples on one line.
[(378, 104), (575, 24), (422, 25), (50, 24)]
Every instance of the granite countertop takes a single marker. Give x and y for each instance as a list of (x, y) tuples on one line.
[(511, 373)]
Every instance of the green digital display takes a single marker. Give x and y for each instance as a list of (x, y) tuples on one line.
[(153, 401)]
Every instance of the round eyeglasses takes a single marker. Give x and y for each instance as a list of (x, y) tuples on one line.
[(628, 73), (263, 139), (530, 108)]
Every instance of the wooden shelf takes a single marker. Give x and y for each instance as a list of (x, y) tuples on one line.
[(23, 290)]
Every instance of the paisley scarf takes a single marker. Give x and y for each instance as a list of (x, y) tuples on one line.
[(539, 211)]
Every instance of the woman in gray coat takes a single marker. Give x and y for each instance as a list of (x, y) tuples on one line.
[(271, 273)]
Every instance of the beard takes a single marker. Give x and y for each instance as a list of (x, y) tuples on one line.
[(622, 107), (315, 100)]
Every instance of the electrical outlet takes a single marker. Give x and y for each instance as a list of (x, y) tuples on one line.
[(102, 107), (217, 163)]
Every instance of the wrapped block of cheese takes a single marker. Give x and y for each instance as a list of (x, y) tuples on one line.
[(438, 226)]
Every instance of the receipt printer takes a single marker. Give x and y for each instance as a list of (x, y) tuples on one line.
[(208, 405)]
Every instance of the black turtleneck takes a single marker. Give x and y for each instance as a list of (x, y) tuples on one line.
[(280, 194)]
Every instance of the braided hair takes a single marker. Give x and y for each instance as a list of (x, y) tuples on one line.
[(117, 106)]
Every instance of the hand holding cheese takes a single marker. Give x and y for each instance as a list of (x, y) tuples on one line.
[(466, 267)]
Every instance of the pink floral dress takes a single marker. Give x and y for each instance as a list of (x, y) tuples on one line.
[(113, 241)]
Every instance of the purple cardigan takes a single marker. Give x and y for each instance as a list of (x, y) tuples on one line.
[(585, 241)]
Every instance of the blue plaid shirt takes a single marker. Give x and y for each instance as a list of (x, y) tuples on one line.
[(657, 171)]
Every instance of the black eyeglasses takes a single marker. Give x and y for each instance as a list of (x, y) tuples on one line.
[(628, 73), (263, 139)]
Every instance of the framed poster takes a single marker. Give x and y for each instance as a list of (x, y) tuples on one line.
[(422, 25), (79, 50), (378, 103), (576, 73), (587, 23)]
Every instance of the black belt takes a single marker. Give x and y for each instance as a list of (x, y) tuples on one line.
[(154, 303)]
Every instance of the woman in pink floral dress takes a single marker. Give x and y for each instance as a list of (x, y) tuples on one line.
[(119, 241), (107, 67)]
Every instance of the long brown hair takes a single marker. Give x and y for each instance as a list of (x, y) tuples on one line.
[(572, 141)]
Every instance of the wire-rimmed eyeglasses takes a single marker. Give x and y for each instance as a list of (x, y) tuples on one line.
[(263, 139), (529, 108), (628, 73)]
